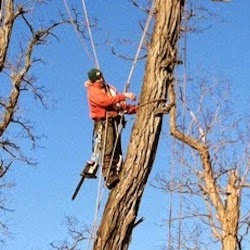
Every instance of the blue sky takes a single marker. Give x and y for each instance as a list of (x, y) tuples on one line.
[(42, 196)]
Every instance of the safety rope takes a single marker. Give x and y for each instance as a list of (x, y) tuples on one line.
[(90, 34), (95, 60), (151, 12), (100, 189), (77, 31)]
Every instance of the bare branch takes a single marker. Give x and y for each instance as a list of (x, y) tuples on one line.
[(77, 234)]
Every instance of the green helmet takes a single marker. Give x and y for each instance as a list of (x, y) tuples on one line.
[(94, 74)]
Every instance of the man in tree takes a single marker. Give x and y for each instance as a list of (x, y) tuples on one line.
[(106, 107)]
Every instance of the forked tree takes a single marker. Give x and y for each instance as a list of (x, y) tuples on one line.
[(216, 166)]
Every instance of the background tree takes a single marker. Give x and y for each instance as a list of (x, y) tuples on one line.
[(76, 232), (214, 186), (18, 83), (217, 136)]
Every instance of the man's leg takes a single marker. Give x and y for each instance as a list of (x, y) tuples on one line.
[(109, 171)]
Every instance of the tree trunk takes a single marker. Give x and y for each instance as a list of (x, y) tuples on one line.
[(230, 224), (6, 25), (121, 210)]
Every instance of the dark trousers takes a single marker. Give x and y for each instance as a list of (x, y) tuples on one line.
[(109, 139)]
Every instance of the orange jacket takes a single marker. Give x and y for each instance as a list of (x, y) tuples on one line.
[(106, 101)]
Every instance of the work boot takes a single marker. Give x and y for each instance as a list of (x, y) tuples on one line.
[(90, 170), (110, 175), (112, 181)]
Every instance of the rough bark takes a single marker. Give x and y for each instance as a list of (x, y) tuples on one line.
[(123, 204), (230, 223), (6, 25)]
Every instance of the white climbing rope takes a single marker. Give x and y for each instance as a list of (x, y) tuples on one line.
[(90, 34), (151, 12), (77, 31)]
